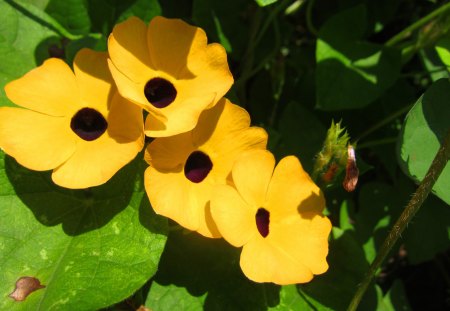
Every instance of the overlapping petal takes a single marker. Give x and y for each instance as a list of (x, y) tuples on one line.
[(169, 157), (75, 122), (195, 73), (37, 91), (276, 218), (25, 134)]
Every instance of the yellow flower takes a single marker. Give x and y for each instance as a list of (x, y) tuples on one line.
[(168, 69), (276, 215), (185, 168), (73, 122)]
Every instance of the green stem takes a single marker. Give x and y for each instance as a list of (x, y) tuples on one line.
[(436, 168), (385, 121), (405, 32), (383, 141), (309, 22), (283, 4)]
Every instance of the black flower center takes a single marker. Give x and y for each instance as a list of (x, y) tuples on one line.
[(88, 124), (160, 92), (197, 166), (262, 221)]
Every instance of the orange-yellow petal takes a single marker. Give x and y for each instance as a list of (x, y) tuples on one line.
[(95, 162), (304, 237), (291, 190), (37, 141), (125, 122), (177, 120), (170, 196), (217, 122), (252, 172), (131, 90), (170, 41), (234, 218), (94, 79), (49, 89), (169, 153), (209, 65), (128, 49), (265, 262), (200, 199)]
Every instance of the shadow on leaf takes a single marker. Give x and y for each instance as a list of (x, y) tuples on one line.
[(78, 211)]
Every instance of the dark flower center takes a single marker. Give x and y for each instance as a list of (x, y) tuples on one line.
[(88, 124), (262, 221), (160, 92), (197, 166)]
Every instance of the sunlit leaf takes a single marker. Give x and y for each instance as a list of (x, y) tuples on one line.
[(89, 248), (424, 129), (352, 73)]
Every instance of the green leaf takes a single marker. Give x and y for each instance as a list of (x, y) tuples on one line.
[(352, 73), (144, 9), (222, 24), (292, 300), (422, 134), (429, 231), (395, 299), (71, 14), (334, 289), (302, 134), (265, 2), (171, 297), (90, 248), (104, 14), (22, 37), (208, 270), (443, 50)]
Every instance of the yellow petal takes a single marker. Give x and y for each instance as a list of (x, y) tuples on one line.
[(169, 153), (264, 262), (50, 89), (125, 122), (234, 218), (252, 172), (170, 196), (178, 120), (128, 88), (210, 67), (303, 238), (291, 190), (95, 162), (170, 41), (200, 199), (37, 141), (128, 49), (94, 79)]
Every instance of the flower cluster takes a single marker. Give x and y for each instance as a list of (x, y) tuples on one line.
[(209, 170)]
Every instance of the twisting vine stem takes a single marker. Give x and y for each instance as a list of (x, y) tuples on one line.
[(436, 168), (405, 32)]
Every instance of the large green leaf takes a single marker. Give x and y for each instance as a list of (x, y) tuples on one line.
[(302, 134), (206, 271), (220, 21), (352, 73), (72, 14), (104, 14), (171, 297), (423, 132), (90, 248), (429, 232), (334, 289), (23, 40)]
